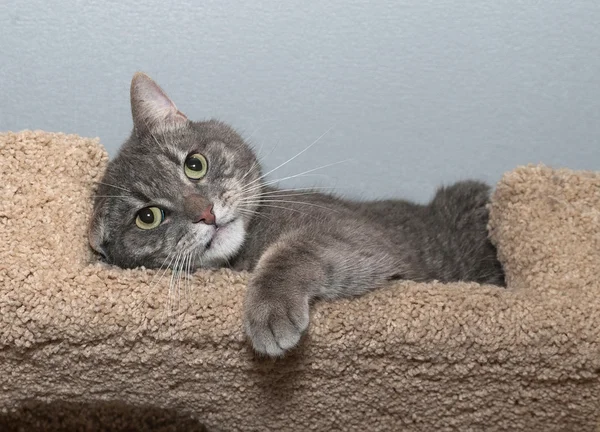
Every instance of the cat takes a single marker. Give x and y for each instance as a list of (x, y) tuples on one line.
[(190, 194)]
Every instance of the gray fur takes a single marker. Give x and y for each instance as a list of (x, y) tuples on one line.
[(311, 246)]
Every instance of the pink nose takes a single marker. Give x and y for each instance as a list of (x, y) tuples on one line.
[(207, 216), (198, 209)]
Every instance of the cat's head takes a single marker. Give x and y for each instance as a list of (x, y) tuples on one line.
[(179, 193)]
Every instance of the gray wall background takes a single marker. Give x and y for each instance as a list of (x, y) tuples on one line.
[(418, 92)]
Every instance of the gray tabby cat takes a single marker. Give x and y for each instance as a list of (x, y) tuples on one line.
[(190, 194)]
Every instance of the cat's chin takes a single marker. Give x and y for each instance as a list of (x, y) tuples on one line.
[(225, 243)]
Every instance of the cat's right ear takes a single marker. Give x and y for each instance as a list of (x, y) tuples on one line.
[(151, 108)]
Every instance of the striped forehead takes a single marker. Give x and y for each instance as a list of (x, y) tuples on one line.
[(152, 176)]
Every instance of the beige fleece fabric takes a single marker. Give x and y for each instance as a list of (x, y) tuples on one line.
[(410, 357)]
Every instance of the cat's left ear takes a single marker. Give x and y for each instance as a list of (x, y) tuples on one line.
[(96, 230), (151, 108)]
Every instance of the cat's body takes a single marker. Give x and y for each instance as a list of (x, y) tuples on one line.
[(205, 185), (445, 239)]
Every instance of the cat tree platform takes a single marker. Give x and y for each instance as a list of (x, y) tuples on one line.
[(411, 356)]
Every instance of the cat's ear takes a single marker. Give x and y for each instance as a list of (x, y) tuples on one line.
[(151, 108), (96, 231)]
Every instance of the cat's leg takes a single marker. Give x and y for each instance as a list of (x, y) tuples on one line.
[(301, 267)]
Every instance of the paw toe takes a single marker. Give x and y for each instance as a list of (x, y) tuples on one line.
[(286, 335), (273, 329)]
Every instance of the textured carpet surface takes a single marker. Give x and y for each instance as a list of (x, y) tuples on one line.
[(407, 357), (113, 416)]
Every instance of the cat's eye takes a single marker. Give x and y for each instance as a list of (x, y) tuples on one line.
[(149, 218), (195, 166)]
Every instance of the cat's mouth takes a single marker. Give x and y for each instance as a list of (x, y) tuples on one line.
[(219, 232), (223, 242)]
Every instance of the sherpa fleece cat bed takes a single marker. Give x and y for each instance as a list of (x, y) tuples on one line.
[(412, 356)]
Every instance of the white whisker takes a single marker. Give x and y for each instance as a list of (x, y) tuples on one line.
[(170, 301), (309, 191), (154, 285), (253, 213), (258, 197), (179, 276), (260, 202), (254, 164), (259, 159), (292, 176), (285, 208), (293, 157), (194, 255), (300, 190), (189, 278)]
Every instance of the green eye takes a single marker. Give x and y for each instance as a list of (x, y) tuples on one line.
[(195, 166), (149, 218)]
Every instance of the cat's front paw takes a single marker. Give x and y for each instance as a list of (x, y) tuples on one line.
[(275, 323)]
